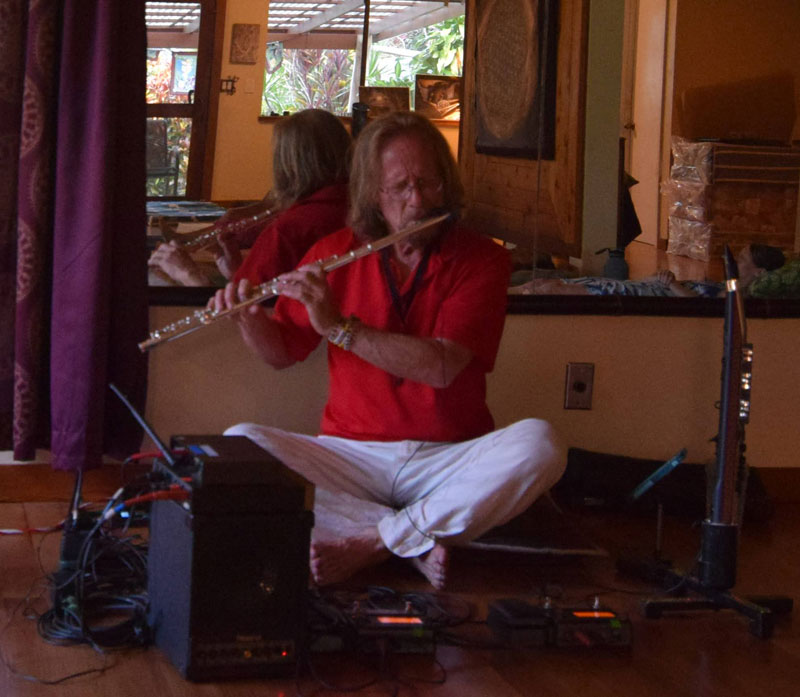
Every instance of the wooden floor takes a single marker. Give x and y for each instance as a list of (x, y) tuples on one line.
[(707, 654)]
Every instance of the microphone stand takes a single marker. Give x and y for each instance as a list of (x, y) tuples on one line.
[(716, 565)]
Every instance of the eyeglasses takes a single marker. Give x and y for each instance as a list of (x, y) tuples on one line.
[(403, 190)]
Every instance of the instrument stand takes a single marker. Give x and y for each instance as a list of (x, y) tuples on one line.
[(716, 561), (659, 531), (760, 610)]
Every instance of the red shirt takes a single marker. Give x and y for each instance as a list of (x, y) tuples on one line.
[(460, 297), (282, 243)]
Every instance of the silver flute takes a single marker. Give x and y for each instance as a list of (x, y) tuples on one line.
[(269, 289), (205, 236)]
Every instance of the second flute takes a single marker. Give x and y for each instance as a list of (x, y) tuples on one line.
[(269, 289)]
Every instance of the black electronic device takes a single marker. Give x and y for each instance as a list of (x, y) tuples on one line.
[(591, 627), (519, 623), (398, 633), (522, 624), (381, 621), (228, 569)]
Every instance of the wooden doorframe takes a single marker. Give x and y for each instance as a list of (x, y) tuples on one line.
[(203, 110), (664, 63), (646, 107), (215, 40)]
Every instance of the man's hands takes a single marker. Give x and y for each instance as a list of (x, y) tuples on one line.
[(665, 277), (308, 286), (227, 253), (175, 262), (172, 259), (430, 361)]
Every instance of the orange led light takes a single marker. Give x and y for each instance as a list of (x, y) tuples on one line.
[(399, 620)]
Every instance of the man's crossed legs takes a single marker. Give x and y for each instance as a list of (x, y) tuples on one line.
[(412, 499)]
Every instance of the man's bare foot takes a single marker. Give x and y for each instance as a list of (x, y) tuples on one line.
[(433, 566), (335, 560)]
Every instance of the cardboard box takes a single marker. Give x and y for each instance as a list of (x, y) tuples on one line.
[(761, 109)]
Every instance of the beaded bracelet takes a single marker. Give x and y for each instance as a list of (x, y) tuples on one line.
[(343, 334)]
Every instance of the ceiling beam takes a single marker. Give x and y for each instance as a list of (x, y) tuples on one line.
[(403, 21), (318, 39), (328, 16), (414, 18)]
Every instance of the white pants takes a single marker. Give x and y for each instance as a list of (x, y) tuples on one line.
[(418, 494)]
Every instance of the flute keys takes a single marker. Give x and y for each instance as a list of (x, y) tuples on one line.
[(205, 316)]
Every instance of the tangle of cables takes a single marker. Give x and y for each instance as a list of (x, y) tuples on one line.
[(100, 589)]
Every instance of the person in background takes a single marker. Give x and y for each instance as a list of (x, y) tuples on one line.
[(310, 163), (408, 462), (752, 261)]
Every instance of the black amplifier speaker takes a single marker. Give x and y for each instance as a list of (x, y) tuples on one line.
[(228, 569)]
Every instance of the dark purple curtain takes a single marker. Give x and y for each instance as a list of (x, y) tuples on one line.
[(13, 16), (88, 257), (28, 349)]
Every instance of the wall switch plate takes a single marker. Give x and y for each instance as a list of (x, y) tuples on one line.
[(578, 390)]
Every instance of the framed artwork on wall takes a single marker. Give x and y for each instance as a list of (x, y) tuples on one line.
[(438, 96), (516, 68), (244, 43), (382, 100), (184, 67)]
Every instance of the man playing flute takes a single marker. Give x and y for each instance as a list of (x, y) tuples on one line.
[(310, 161), (408, 462)]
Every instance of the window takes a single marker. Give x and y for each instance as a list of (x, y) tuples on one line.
[(314, 56), (179, 45), (302, 78)]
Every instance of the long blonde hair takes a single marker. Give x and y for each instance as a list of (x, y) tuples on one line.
[(311, 149), (365, 216)]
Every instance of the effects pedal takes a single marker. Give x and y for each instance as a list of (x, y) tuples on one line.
[(591, 627), (522, 624), (382, 621), (397, 633)]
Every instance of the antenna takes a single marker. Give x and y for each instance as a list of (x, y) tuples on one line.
[(169, 466)]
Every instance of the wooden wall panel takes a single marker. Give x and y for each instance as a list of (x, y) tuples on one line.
[(502, 192)]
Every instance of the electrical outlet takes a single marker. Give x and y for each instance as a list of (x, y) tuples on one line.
[(578, 390)]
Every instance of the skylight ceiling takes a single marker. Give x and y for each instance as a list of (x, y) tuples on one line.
[(387, 18), (172, 16)]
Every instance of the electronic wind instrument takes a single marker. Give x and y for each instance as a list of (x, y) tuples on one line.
[(717, 561), (715, 565), (269, 289), (737, 370)]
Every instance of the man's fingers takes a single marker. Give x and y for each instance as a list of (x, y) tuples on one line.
[(244, 289)]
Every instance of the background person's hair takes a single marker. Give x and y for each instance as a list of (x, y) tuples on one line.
[(365, 215), (767, 257), (311, 149)]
